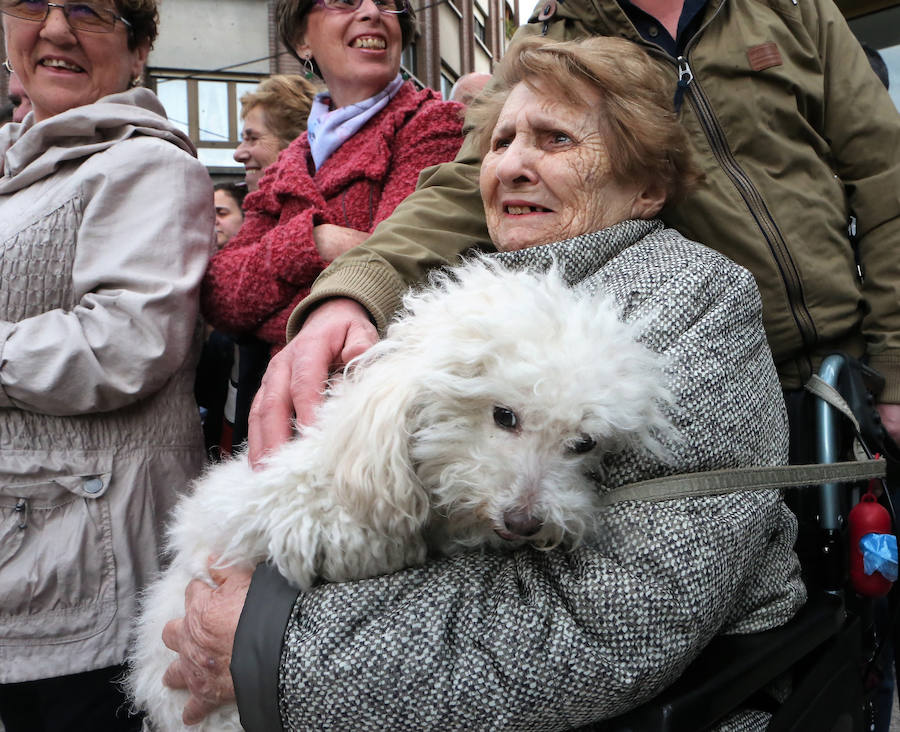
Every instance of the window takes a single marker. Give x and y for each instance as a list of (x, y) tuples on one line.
[(207, 109), (446, 85), (479, 30)]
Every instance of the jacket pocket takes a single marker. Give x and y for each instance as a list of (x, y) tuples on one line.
[(57, 568)]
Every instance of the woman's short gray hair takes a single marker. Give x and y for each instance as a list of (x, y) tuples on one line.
[(647, 144)]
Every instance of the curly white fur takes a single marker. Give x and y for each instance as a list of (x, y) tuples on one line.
[(481, 419)]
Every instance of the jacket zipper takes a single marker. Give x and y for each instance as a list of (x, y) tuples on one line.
[(758, 209)]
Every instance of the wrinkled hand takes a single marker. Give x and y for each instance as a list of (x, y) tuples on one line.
[(890, 418), (204, 638), (336, 332), (332, 240)]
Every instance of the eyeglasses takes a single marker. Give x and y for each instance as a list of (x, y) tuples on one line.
[(392, 7), (85, 16)]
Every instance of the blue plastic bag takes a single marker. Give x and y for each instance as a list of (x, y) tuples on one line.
[(880, 555)]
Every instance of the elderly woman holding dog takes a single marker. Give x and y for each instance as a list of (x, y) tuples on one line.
[(581, 150), (106, 228)]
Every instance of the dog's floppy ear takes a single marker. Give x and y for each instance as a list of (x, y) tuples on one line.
[(367, 422)]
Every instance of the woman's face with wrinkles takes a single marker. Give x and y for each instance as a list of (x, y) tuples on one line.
[(546, 176)]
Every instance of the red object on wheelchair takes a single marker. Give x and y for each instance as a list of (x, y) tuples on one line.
[(867, 517)]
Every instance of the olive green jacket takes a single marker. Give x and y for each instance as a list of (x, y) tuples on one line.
[(794, 134)]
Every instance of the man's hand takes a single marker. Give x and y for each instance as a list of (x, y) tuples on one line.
[(204, 639), (332, 240), (890, 418), (336, 332)]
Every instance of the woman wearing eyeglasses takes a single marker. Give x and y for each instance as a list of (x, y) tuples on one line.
[(105, 231), (369, 136)]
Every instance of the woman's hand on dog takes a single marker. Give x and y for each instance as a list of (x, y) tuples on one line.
[(335, 333), (204, 639)]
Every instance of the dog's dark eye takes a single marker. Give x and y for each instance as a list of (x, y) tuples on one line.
[(585, 443), (505, 418)]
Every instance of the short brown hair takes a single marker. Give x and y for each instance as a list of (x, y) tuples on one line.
[(144, 18), (290, 21), (286, 100), (647, 145)]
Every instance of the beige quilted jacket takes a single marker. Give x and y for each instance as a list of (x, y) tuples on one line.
[(105, 229)]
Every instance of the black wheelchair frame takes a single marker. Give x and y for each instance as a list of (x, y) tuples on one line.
[(829, 648)]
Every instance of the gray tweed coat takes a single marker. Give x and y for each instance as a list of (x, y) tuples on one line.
[(553, 640)]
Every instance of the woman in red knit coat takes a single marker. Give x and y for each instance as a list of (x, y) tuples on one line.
[(369, 137)]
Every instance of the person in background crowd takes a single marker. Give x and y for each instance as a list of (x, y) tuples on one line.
[(273, 115), (506, 639), (220, 351), (19, 98), (468, 86), (228, 201), (107, 229), (369, 137)]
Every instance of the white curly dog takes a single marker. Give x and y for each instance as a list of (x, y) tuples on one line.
[(482, 419)]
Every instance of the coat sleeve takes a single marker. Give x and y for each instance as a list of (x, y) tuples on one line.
[(530, 640), (259, 271), (257, 648), (860, 111), (136, 276)]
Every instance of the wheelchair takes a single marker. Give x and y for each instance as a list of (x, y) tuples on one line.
[(829, 650)]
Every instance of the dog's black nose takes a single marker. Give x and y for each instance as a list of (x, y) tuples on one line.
[(521, 523)]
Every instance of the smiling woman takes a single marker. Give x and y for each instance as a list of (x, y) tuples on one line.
[(60, 71), (105, 230), (369, 135), (274, 115)]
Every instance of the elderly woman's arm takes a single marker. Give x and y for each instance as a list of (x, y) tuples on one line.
[(532, 640), (137, 269)]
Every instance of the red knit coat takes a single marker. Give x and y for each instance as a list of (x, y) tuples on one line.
[(253, 284)]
